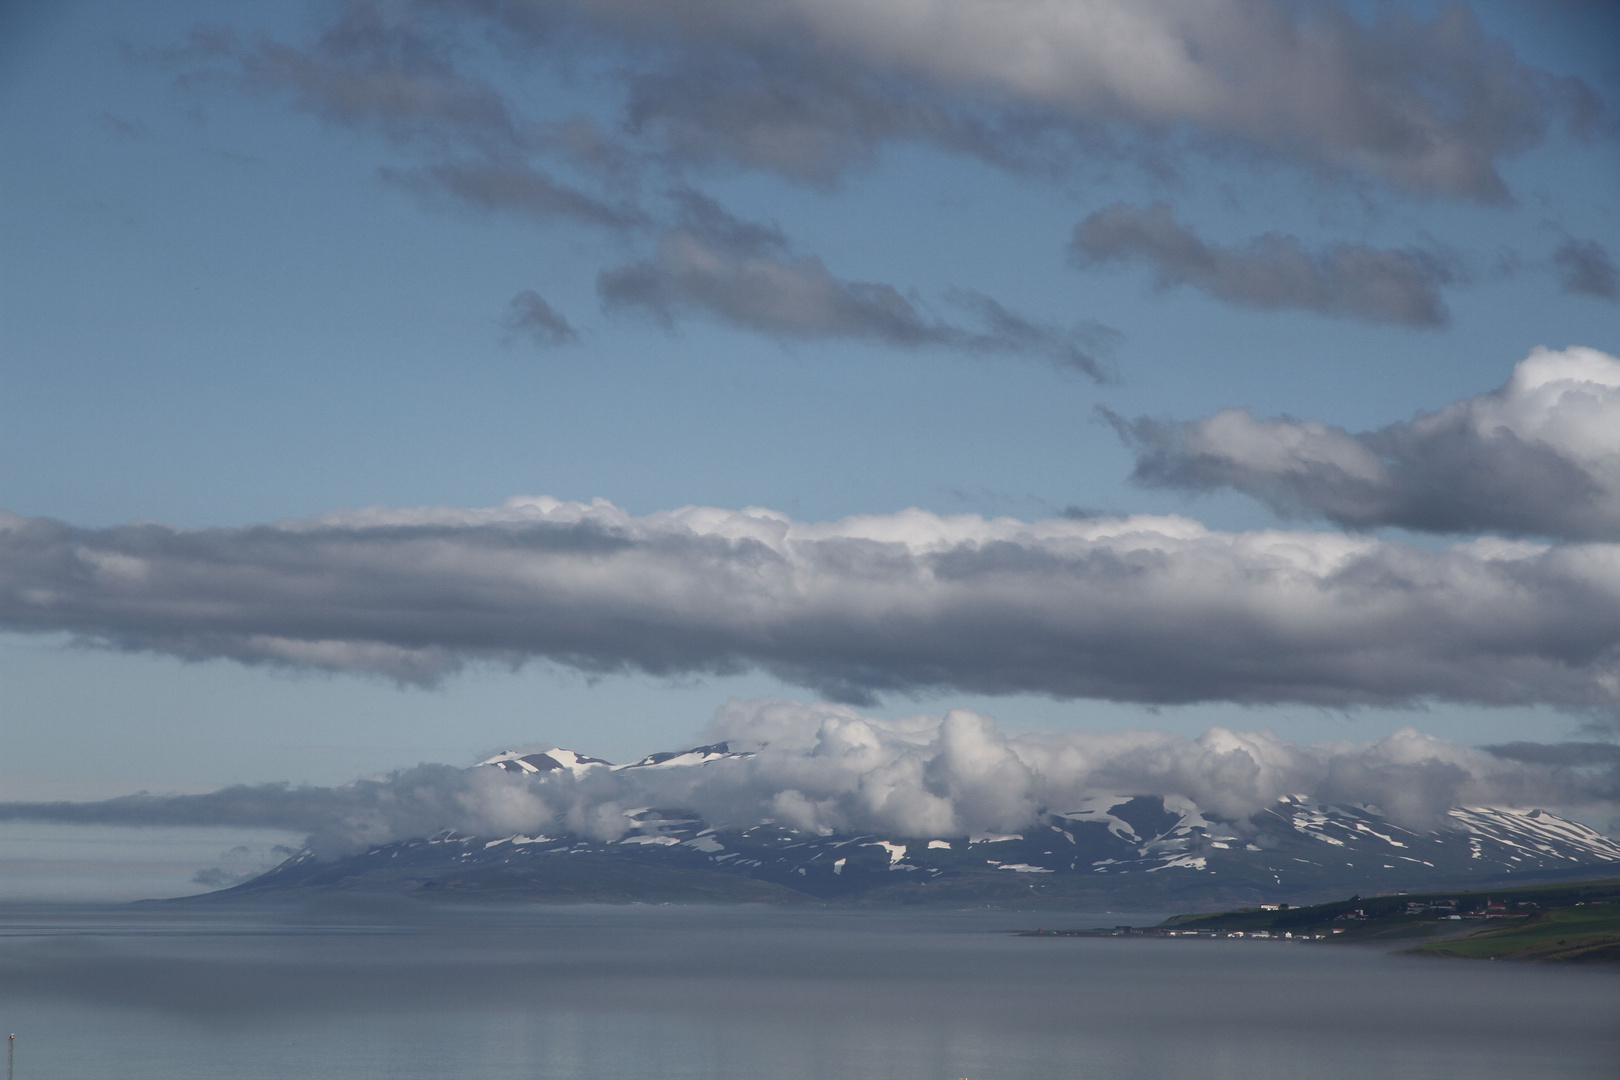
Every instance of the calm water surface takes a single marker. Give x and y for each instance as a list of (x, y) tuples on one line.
[(728, 994)]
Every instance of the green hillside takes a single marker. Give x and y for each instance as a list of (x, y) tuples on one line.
[(1577, 921), (1587, 933)]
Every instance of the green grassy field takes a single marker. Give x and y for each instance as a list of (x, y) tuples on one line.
[(1584, 934), (1561, 922)]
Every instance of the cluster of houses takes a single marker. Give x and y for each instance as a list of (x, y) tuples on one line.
[(1282, 935), (1438, 907), (1447, 909), (1442, 909), (1207, 932)]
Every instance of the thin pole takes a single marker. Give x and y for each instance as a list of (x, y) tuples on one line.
[(11, 1058)]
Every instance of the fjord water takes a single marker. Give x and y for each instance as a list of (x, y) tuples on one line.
[(605, 993)]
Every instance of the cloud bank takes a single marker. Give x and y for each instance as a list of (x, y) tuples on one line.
[(1538, 457), (1144, 609), (1348, 281), (827, 769)]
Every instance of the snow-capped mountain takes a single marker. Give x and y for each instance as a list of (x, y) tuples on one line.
[(1119, 850), (579, 764), (547, 761), (698, 755)]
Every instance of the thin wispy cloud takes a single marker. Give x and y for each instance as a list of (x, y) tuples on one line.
[(808, 89), (530, 316), (514, 186), (744, 274), (1271, 272), (381, 67), (1587, 269)]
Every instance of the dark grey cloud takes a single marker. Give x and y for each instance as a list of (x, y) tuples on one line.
[(807, 88), (529, 314), (743, 273), (1593, 765), (1347, 281), (378, 67), (1584, 755), (1538, 457), (828, 769), (128, 129), (778, 106), (391, 69), (399, 70), (513, 186), (1587, 269), (1134, 609), (1081, 347)]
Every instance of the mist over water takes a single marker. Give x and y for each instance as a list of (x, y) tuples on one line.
[(723, 993)]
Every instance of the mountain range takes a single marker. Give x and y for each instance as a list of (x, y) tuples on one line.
[(1137, 851)]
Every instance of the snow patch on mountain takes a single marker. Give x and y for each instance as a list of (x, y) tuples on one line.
[(554, 760), (1536, 833)]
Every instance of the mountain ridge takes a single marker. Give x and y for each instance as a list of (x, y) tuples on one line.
[(1113, 850)]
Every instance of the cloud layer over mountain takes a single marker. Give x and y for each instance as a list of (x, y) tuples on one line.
[(1538, 457), (827, 769)]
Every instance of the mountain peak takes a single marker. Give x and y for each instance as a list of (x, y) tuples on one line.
[(557, 758)]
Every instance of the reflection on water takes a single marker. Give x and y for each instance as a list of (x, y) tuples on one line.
[(728, 994)]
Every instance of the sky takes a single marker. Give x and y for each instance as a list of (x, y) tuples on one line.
[(389, 383)]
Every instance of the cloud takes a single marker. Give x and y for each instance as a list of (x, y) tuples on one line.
[(398, 70), (407, 803), (513, 186), (806, 88), (380, 68), (743, 273), (530, 315), (399, 76), (1593, 765), (1538, 457), (1588, 269), (1145, 609), (1347, 281), (241, 863), (828, 769)]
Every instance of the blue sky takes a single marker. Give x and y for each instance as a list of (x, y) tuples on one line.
[(236, 292)]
